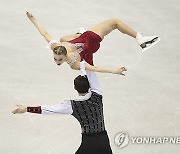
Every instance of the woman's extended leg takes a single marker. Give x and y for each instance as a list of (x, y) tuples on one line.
[(107, 26)]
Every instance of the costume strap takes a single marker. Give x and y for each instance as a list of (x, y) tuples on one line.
[(48, 46)]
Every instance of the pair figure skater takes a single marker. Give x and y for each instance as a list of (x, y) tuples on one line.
[(77, 50), (87, 109)]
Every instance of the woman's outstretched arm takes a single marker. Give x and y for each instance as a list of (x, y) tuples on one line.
[(42, 31), (89, 67)]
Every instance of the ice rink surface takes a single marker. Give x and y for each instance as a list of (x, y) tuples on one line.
[(146, 102)]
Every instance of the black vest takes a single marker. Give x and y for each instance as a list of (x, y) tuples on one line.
[(89, 113)]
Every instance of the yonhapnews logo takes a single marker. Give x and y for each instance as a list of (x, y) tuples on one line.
[(122, 139)]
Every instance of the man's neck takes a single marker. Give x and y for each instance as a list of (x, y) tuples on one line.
[(82, 94)]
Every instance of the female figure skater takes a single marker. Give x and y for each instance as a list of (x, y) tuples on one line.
[(87, 109), (75, 48)]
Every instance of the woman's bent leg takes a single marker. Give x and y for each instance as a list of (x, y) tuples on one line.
[(69, 37), (107, 26)]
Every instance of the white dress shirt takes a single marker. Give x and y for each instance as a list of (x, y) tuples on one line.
[(65, 107)]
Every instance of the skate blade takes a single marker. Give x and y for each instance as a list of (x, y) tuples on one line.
[(148, 47)]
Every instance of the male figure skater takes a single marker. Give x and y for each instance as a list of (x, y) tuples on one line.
[(87, 109)]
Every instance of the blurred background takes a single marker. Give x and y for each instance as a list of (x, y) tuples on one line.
[(143, 103)]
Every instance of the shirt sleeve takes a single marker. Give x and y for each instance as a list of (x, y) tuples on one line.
[(62, 108), (92, 78), (93, 81)]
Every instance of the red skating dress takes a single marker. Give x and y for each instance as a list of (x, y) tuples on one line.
[(91, 43)]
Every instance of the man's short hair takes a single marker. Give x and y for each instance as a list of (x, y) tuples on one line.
[(81, 84)]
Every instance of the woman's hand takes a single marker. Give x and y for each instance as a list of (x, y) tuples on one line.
[(20, 109), (120, 71), (42, 31), (30, 16)]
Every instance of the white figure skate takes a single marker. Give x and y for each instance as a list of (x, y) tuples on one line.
[(146, 42)]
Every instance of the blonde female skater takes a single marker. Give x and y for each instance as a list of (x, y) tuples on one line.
[(75, 48)]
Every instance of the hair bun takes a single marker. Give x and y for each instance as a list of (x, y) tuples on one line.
[(60, 50)]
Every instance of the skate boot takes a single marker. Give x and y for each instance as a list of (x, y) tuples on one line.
[(146, 42), (80, 31)]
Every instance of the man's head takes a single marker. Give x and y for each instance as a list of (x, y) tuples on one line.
[(81, 84)]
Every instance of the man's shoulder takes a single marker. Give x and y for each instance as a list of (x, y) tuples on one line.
[(94, 93)]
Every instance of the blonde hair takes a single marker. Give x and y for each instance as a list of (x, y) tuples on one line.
[(60, 50)]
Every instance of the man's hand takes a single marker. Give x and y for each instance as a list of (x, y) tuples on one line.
[(121, 70), (20, 109)]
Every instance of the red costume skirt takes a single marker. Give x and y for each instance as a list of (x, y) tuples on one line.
[(91, 42)]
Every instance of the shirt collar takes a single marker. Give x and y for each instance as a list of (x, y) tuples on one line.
[(85, 97)]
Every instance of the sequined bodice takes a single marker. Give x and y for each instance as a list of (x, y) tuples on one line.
[(79, 47)]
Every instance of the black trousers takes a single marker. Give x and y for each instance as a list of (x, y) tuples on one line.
[(95, 143)]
